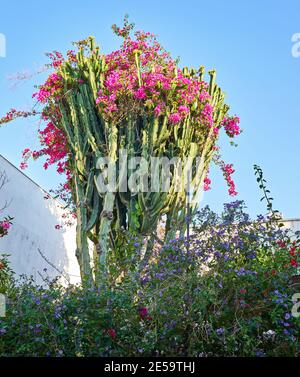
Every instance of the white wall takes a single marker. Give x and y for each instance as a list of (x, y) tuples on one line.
[(293, 224), (34, 228)]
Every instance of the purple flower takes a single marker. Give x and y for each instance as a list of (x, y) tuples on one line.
[(241, 271), (37, 328), (220, 331)]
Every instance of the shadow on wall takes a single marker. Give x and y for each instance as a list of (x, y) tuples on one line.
[(34, 229)]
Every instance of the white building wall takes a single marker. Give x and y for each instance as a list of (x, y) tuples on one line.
[(34, 229), (293, 224)]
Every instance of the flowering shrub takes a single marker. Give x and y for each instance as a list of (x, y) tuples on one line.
[(5, 226), (6, 223), (229, 295), (6, 274)]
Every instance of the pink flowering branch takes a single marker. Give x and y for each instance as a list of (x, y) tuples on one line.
[(227, 170), (14, 114)]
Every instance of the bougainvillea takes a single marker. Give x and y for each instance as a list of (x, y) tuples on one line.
[(14, 114), (5, 225)]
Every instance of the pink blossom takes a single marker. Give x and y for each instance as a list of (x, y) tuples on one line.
[(5, 225), (207, 183), (112, 108), (25, 152), (174, 118), (206, 115), (140, 93), (216, 131), (52, 86), (227, 170), (231, 126), (157, 110), (183, 110), (23, 165)]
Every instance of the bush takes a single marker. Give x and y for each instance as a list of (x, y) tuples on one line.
[(6, 274), (229, 294)]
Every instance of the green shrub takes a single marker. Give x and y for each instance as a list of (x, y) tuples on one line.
[(229, 295)]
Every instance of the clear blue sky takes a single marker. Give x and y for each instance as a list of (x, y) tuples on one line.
[(247, 42)]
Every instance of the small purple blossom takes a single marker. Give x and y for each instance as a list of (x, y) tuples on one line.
[(220, 331)]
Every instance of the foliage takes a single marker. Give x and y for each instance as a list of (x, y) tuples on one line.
[(6, 274), (5, 223), (230, 295)]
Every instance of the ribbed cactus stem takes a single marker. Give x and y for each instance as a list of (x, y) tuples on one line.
[(82, 252), (138, 68), (107, 214)]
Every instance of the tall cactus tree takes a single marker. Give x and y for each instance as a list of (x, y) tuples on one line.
[(138, 100)]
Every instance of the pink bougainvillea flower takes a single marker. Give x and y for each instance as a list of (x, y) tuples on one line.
[(207, 183), (231, 126), (174, 118), (183, 110), (140, 93), (5, 225)]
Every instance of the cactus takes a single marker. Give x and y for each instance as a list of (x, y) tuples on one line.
[(90, 135)]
